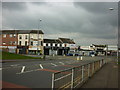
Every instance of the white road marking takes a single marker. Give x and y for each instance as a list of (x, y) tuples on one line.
[(14, 65), (23, 68), (41, 66), (29, 71), (53, 64), (62, 63)]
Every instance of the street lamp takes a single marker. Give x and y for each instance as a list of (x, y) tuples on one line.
[(38, 38), (117, 37), (111, 8)]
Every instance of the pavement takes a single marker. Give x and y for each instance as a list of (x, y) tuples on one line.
[(107, 77)]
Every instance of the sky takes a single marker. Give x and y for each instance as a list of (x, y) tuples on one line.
[(85, 22)]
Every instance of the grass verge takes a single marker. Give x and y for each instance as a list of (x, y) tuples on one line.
[(9, 56)]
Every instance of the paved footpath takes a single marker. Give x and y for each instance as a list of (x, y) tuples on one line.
[(107, 77)]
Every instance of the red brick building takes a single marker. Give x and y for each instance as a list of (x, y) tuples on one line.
[(8, 40)]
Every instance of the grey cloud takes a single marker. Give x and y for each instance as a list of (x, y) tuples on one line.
[(86, 19), (14, 5), (97, 7)]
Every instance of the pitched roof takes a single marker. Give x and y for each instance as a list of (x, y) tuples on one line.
[(99, 45), (67, 40), (21, 31), (52, 41)]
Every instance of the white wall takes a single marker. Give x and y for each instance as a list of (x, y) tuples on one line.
[(35, 36), (23, 39)]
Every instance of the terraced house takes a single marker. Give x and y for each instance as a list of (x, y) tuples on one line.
[(22, 41), (60, 46)]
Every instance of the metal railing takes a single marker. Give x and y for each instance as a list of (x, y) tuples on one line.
[(76, 76)]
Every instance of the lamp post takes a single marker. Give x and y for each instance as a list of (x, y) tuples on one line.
[(117, 36), (38, 38)]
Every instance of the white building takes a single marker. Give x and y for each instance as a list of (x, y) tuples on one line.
[(30, 41)]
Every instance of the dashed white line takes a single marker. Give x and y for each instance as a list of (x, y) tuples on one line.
[(41, 66), (23, 68), (62, 63), (53, 64), (14, 65)]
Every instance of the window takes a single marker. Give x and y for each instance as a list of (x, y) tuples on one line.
[(31, 37), (4, 43), (4, 35), (14, 42), (31, 43), (51, 44), (25, 43), (20, 43), (10, 42), (56, 45), (26, 36), (14, 35), (41, 43), (20, 37), (46, 44), (11, 35), (60, 45)]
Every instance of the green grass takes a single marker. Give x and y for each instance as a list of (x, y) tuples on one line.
[(7, 55)]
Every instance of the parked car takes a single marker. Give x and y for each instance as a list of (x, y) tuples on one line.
[(70, 54), (73, 54)]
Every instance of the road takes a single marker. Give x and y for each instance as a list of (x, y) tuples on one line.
[(37, 74)]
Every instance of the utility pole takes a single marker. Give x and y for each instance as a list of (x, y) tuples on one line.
[(38, 39)]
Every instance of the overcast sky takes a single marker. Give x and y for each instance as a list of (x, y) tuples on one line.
[(85, 22)]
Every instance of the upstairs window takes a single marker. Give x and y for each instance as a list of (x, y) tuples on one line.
[(14, 42), (60, 45), (10, 42), (46, 44), (25, 43), (20, 37), (51, 44), (56, 45), (11, 35), (4, 35), (26, 36), (14, 35), (20, 43)]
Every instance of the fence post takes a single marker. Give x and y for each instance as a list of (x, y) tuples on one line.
[(88, 70), (93, 68), (100, 63), (82, 73), (72, 78), (53, 77)]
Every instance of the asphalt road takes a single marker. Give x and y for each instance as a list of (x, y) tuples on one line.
[(38, 73)]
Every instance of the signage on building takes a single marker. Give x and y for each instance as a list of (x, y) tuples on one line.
[(34, 48), (35, 43), (3, 46), (12, 47)]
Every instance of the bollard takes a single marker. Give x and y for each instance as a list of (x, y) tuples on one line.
[(53, 55), (44, 56), (81, 58)]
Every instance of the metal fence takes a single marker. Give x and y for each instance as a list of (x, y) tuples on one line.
[(76, 76)]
